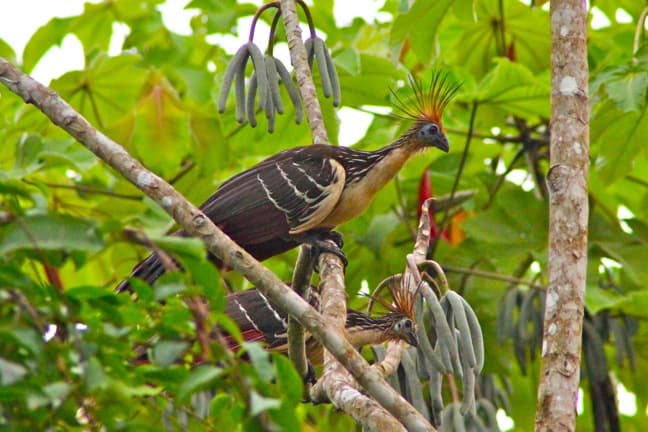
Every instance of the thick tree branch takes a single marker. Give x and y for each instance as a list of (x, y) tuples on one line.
[(340, 387), (196, 223), (568, 215)]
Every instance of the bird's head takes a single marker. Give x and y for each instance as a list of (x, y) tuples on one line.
[(405, 329), (425, 106), (400, 322)]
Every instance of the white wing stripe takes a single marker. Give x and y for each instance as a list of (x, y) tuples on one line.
[(247, 317), (301, 195), (274, 312), (269, 195)]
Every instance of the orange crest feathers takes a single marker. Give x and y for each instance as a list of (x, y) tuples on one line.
[(427, 104), (403, 298)]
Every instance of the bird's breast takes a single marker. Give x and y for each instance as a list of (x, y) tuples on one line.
[(357, 195)]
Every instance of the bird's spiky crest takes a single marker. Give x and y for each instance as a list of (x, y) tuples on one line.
[(403, 298), (426, 103)]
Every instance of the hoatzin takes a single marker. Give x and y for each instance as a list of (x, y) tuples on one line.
[(301, 194), (261, 321)]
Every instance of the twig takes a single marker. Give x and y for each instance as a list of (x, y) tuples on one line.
[(495, 276), (200, 311), (87, 189), (639, 32)]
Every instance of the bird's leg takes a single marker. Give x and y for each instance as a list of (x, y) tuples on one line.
[(318, 239), (311, 377)]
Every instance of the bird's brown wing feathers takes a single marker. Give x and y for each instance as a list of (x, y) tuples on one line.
[(290, 193), (255, 314)]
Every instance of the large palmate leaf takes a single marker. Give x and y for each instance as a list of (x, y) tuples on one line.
[(106, 90), (419, 27)]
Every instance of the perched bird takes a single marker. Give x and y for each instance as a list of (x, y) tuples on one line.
[(261, 321), (300, 195)]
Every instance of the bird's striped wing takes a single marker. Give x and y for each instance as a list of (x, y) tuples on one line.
[(259, 319), (287, 194)]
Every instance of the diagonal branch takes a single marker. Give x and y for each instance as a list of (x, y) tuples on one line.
[(196, 223)]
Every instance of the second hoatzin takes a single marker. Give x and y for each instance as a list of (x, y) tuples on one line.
[(301, 194), (261, 321)]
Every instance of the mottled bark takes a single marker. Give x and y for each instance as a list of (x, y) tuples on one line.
[(341, 388), (568, 215)]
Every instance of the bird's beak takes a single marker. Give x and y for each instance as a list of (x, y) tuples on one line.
[(442, 143), (411, 338)]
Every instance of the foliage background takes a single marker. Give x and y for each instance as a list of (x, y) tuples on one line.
[(67, 219)]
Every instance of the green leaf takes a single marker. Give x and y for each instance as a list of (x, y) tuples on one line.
[(50, 232), (26, 337), (11, 372), (169, 284), (633, 304), (619, 137), (288, 380), (95, 375), (260, 360), (7, 52), (259, 404), (199, 379), (513, 88), (371, 85), (633, 258), (629, 91), (380, 227), (221, 410), (162, 134), (57, 392), (598, 299), (222, 14), (166, 352), (522, 33), (419, 26), (509, 230), (105, 91), (46, 37), (94, 26), (185, 246)]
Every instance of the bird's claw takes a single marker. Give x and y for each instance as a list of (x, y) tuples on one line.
[(327, 241), (311, 377)]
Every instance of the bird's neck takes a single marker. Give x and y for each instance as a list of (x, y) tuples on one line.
[(364, 330), (366, 173)]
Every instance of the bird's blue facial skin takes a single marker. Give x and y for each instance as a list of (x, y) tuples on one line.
[(430, 135)]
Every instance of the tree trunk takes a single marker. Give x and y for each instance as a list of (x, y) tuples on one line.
[(568, 216)]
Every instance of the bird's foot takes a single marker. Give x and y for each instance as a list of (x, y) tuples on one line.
[(326, 241), (311, 377)]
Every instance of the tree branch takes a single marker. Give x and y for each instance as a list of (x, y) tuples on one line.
[(339, 387), (299, 60), (568, 217), (494, 276), (301, 285), (196, 223)]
